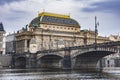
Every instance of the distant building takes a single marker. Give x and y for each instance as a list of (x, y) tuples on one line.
[(2, 39), (10, 43), (52, 31), (114, 37), (112, 60)]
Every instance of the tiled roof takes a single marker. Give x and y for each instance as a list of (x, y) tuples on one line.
[(62, 21), (1, 27), (54, 20)]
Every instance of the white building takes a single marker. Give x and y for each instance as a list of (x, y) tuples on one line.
[(113, 60), (10, 43), (114, 37)]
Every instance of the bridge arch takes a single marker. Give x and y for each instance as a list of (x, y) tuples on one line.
[(20, 62), (49, 61), (89, 59), (103, 53), (45, 54)]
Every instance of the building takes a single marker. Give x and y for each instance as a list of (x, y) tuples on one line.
[(11, 43), (112, 60), (52, 31), (2, 39), (114, 37)]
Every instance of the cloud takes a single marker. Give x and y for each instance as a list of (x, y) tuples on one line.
[(32, 7), (108, 6), (16, 13), (2, 2)]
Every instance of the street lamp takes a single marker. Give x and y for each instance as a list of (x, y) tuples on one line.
[(96, 31)]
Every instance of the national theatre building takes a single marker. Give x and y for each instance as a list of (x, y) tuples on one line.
[(52, 31)]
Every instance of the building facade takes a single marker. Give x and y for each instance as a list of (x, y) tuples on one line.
[(114, 37), (11, 43), (52, 31), (2, 39)]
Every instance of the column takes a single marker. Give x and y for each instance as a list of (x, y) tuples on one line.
[(25, 46)]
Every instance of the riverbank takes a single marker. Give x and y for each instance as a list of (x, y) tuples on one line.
[(114, 71), (111, 69)]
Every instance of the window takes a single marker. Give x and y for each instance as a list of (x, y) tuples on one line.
[(28, 43)]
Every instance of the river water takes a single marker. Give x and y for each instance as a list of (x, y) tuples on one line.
[(53, 74)]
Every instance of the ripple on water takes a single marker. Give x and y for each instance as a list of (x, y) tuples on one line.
[(38, 74)]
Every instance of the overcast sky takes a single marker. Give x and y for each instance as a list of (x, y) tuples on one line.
[(15, 14)]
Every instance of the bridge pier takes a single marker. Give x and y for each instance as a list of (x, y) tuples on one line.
[(31, 61), (66, 60), (49, 61), (13, 61), (25, 60), (85, 63)]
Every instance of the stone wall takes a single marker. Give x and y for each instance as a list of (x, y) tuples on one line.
[(5, 61)]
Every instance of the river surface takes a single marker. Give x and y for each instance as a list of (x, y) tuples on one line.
[(48, 74)]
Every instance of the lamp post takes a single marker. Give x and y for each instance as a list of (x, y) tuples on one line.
[(96, 31)]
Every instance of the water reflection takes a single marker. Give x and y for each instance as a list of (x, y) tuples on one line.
[(48, 74)]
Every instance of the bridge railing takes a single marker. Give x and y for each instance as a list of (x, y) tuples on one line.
[(112, 49), (108, 46), (91, 49)]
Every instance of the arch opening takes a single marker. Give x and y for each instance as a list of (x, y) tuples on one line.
[(20, 62), (89, 60), (50, 61)]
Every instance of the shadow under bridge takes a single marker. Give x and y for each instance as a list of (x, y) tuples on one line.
[(49, 60), (88, 60), (20, 62)]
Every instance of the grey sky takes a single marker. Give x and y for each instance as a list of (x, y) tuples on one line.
[(15, 14)]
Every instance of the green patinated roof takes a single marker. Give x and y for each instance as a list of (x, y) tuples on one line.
[(54, 20), (35, 22)]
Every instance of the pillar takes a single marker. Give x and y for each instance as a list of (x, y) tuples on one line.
[(67, 60), (31, 61), (25, 46)]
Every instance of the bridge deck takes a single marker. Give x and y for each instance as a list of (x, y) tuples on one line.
[(111, 44)]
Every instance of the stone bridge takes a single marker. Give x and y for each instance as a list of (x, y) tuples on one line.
[(89, 57), (76, 57)]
